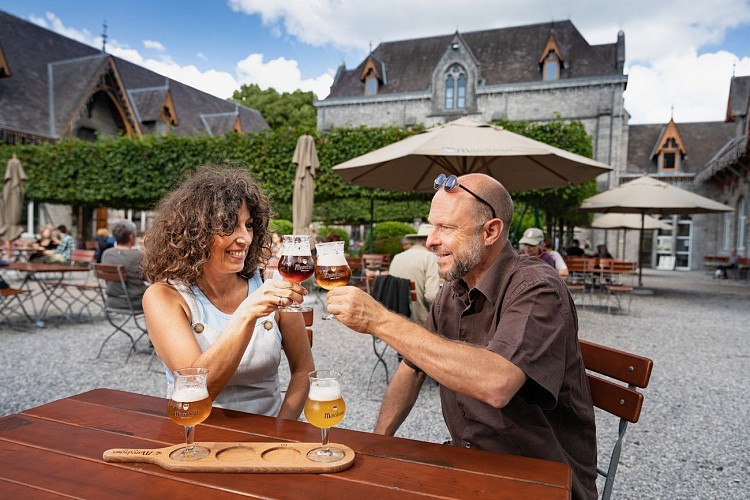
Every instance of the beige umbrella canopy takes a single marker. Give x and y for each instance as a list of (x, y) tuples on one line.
[(468, 146), (628, 221), (646, 195), (306, 158), (12, 208)]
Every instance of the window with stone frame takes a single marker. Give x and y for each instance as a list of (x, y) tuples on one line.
[(455, 87)]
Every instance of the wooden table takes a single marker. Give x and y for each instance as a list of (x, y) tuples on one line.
[(56, 449), (47, 287)]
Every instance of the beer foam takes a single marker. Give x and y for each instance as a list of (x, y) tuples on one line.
[(189, 394), (324, 393), (332, 260)]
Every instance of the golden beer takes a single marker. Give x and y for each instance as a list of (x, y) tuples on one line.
[(189, 406), (325, 414), (329, 277)]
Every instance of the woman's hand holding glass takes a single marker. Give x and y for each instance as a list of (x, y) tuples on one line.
[(296, 265)]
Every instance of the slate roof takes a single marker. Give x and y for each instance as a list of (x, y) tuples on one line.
[(36, 54), (702, 141), (506, 55)]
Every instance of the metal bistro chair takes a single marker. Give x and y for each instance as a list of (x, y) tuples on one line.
[(79, 292), (119, 317), (614, 398), (11, 296)]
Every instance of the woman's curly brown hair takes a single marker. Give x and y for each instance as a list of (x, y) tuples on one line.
[(178, 243)]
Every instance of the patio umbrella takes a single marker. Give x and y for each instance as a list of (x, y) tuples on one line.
[(12, 209), (306, 158), (646, 195), (628, 221), (468, 146)]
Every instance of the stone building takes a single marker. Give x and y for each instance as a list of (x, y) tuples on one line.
[(540, 72), (53, 87)]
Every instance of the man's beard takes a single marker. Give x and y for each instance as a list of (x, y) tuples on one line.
[(462, 264)]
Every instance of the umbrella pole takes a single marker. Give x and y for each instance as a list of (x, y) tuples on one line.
[(640, 251), (372, 218)]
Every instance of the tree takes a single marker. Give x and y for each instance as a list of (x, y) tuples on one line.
[(294, 110)]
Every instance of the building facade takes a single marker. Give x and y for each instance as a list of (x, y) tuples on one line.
[(538, 73)]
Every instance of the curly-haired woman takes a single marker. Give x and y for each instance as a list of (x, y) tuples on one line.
[(208, 305)]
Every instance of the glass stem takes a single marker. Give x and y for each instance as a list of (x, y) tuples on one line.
[(324, 433), (189, 433)]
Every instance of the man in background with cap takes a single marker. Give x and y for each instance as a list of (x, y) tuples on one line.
[(420, 266), (532, 245)]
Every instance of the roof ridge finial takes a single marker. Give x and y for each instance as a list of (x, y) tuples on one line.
[(104, 36), (671, 117)]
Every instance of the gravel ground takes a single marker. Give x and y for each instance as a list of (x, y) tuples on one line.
[(692, 440)]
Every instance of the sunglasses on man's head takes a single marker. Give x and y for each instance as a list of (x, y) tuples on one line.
[(451, 181)]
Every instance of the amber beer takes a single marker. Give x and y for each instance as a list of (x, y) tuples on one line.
[(189, 406), (325, 406), (296, 268), (329, 277)]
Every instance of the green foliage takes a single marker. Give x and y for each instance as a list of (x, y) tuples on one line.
[(387, 237), (324, 231), (293, 110), (281, 226)]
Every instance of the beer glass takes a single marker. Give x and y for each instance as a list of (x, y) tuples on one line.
[(324, 409), (189, 405), (332, 269), (296, 264)]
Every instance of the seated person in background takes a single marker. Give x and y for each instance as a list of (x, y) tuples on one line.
[(531, 244), (501, 339), (64, 249), (602, 252), (575, 250), (45, 245), (721, 269), (208, 305), (560, 265), (125, 253), (420, 266), (103, 242)]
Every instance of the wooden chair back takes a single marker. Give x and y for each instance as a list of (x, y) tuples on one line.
[(376, 261), (83, 257), (617, 395)]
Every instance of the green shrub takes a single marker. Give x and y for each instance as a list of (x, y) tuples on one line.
[(281, 226), (387, 237)]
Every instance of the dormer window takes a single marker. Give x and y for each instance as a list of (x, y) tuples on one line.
[(455, 88), (372, 76), (670, 150), (551, 61)]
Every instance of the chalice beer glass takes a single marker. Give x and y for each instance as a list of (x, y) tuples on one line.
[(332, 269), (324, 409), (189, 405), (296, 264)]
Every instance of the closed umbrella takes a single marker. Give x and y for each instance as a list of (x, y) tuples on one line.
[(12, 209), (467, 146), (646, 195), (306, 158)]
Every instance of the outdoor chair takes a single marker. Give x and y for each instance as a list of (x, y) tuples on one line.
[(388, 290), (120, 317), (10, 297), (621, 283), (580, 279), (78, 292), (611, 396)]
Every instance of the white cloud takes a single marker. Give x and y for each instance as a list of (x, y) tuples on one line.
[(154, 45), (281, 74)]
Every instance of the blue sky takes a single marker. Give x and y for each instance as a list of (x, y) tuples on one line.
[(680, 53)]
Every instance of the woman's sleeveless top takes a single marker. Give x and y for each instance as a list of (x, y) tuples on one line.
[(254, 387)]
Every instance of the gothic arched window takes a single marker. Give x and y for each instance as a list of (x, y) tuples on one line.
[(455, 88)]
